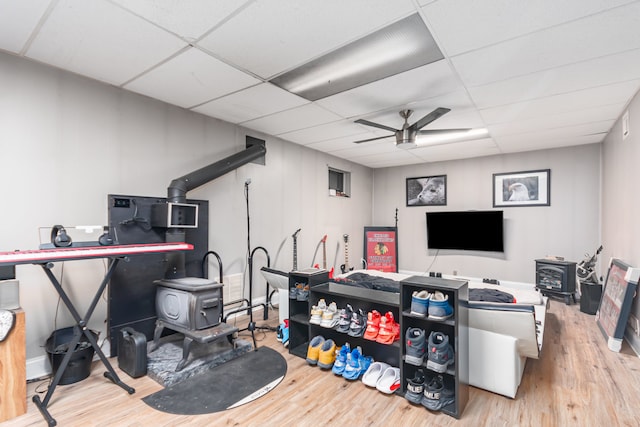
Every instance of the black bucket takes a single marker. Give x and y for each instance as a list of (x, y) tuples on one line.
[(79, 366)]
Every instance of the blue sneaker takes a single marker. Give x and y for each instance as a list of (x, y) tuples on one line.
[(353, 366), (341, 359), (439, 307), (420, 303), (285, 336)]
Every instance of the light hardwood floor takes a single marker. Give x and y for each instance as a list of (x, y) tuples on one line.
[(576, 382)]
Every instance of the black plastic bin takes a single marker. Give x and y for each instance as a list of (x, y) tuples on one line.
[(79, 366), (590, 294)]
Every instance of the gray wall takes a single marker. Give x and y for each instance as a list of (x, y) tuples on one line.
[(620, 201), (67, 142), (567, 228)]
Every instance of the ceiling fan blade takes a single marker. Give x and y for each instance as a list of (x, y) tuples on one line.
[(372, 139), (442, 131), (434, 115), (376, 125)]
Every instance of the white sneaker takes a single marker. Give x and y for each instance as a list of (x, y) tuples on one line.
[(373, 374), (330, 316), (389, 382)]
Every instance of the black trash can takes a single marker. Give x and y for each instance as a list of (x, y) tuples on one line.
[(590, 294), (79, 366)]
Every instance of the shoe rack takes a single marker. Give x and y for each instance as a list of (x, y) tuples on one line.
[(365, 299), (456, 377), (299, 310)]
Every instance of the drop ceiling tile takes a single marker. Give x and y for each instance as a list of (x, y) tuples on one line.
[(188, 19), (607, 33), (422, 83), (18, 19), (458, 150), (99, 40), (597, 72), (295, 32), (367, 148), (558, 104), (396, 156), (335, 144), (461, 25), (342, 128), (251, 103), (546, 138), (552, 120), (512, 144), (294, 119), (201, 76)]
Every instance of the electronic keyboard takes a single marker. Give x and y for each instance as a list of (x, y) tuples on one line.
[(44, 256)]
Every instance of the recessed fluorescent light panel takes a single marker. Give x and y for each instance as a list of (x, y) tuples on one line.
[(468, 135), (399, 47)]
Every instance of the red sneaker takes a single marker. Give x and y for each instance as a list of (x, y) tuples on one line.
[(373, 325), (389, 330)]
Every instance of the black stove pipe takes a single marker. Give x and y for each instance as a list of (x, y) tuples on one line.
[(177, 193)]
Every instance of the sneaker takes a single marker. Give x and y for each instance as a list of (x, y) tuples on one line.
[(365, 363), (313, 351), (358, 323), (439, 307), (389, 329), (416, 346), (330, 316), (373, 325), (389, 381), (317, 311), (341, 359), (420, 303), (353, 368), (373, 374), (285, 335), (344, 319), (279, 332), (293, 292), (327, 354), (415, 387), (436, 396), (303, 294), (440, 354)]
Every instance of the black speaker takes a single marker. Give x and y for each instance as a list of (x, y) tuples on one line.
[(59, 237), (590, 295)]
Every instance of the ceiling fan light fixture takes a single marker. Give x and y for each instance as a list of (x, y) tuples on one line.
[(399, 47), (445, 138)]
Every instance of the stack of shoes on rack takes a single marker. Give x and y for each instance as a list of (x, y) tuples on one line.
[(415, 346), (303, 294), (420, 303), (358, 323), (344, 319), (436, 395), (439, 307), (415, 387), (330, 316), (440, 353), (373, 325), (313, 350), (317, 311), (341, 359), (327, 354), (389, 330)]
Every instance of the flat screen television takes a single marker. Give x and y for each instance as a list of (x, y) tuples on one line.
[(465, 230)]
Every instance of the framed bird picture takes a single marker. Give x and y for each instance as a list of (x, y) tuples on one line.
[(528, 188)]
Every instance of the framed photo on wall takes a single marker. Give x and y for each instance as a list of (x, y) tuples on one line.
[(528, 188), (381, 248), (427, 191)]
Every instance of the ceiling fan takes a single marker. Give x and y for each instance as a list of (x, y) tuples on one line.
[(406, 137)]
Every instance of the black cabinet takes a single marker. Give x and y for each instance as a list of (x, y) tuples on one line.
[(556, 278), (358, 298), (456, 376), (299, 309)]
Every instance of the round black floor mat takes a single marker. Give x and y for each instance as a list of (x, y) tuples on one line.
[(231, 384)]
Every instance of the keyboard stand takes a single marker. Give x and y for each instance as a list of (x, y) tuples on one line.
[(79, 329)]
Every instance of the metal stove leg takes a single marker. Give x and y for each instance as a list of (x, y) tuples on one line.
[(186, 347)]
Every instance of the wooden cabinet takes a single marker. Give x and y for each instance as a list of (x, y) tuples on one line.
[(299, 310), (13, 371), (456, 377), (358, 298)]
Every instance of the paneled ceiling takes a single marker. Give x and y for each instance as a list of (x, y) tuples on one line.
[(536, 74)]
